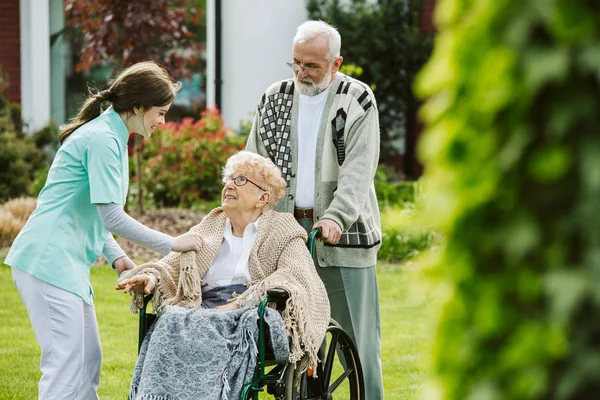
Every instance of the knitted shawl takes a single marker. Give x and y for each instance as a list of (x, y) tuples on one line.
[(279, 259)]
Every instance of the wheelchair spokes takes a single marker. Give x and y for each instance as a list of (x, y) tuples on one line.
[(280, 385), (340, 360)]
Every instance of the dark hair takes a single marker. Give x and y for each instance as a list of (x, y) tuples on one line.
[(144, 85)]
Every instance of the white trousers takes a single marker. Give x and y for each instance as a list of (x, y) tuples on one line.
[(67, 332)]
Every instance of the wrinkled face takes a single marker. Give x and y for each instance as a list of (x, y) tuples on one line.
[(150, 119), (312, 71), (241, 198)]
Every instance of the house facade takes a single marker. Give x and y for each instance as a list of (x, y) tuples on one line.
[(34, 72), (248, 45)]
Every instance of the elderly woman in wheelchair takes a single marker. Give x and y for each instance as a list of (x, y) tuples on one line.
[(202, 345)]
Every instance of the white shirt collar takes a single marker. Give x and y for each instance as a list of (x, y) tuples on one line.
[(250, 230)]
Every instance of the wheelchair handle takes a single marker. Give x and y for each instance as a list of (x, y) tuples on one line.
[(315, 233)]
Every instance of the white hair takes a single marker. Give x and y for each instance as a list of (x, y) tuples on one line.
[(261, 170), (311, 29)]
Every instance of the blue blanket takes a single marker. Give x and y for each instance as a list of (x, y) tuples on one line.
[(203, 353)]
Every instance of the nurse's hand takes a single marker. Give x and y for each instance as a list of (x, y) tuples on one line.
[(191, 241), (123, 264), (138, 284)]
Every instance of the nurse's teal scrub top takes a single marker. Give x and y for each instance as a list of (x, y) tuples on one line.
[(64, 235)]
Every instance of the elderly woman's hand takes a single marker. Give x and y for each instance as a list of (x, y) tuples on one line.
[(138, 284)]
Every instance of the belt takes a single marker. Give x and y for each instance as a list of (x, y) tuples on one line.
[(303, 213)]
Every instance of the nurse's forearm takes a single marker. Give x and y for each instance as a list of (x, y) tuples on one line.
[(115, 220), (112, 250)]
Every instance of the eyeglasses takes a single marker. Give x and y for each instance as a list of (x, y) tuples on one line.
[(239, 181), (297, 67)]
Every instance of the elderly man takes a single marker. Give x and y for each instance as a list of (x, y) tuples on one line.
[(321, 128)]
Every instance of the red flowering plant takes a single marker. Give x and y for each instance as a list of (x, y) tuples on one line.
[(183, 161)]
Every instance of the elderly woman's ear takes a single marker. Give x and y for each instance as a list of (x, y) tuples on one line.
[(263, 200)]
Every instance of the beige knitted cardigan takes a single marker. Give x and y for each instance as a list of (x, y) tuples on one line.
[(279, 259)]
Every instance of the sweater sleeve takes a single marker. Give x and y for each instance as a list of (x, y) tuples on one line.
[(357, 171), (179, 280), (112, 250), (115, 220)]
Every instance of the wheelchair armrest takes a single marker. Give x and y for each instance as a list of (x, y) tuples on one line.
[(279, 297), (146, 321), (278, 294), (147, 300)]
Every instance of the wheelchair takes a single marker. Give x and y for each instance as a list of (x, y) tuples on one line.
[(338, 372)]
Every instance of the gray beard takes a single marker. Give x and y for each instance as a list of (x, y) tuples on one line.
[(312, 89)]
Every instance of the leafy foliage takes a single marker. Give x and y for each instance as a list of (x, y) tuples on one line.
[(512, 155), (13, 215), (382, 38), (125, 32), (390, 190), (20, 160), (400, 241), (21, 155), (183, 161)]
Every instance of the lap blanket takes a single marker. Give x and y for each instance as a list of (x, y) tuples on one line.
[(203, 353)]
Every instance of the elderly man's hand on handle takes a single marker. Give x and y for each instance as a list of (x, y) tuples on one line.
[(330, 231), (190, 241), (138, 284)]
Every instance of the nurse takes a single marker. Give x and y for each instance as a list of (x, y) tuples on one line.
[(78, 208)]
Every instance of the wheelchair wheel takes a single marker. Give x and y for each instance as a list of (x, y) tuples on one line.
[(339, 372), (284, 388), (288, 378), (281, 389)]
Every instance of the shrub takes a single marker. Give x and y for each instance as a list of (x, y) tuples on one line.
[(14, 114), (390, 190), (25, 160), (9, 228), (382, 42), (183, 161), (13, 215), (401, 242), (21, 155), (512, 154), (20, 208), (20, 160), (39, 181)]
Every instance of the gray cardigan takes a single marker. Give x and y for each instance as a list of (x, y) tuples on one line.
[(348, 139)]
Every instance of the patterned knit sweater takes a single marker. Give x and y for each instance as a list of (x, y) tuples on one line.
[(347, 158), (279, 259)]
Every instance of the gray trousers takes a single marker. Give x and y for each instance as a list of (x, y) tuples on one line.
[(354, 297)]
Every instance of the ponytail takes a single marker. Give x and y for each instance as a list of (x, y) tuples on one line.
[(91, 109), (144, 85)]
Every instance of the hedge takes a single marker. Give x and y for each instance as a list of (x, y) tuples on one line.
[(512, 160)]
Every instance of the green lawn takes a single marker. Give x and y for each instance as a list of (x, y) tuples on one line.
[(405, 308)]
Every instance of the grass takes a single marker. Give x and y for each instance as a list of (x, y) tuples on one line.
[(405, 307)]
